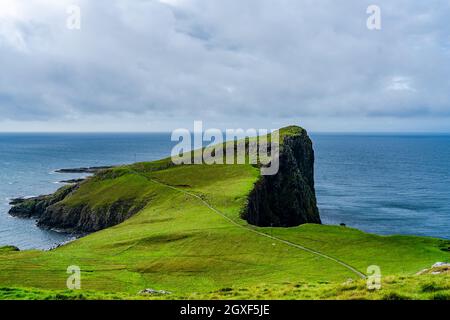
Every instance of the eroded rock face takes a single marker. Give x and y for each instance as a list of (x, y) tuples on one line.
[(36, 206), (288, 198), (284, 200), (84, 219), (51, 213)]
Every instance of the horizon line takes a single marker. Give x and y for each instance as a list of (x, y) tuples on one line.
[(169, 132)]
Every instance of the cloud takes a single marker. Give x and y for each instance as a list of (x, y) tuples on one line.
[(223, 61), (399, 84)]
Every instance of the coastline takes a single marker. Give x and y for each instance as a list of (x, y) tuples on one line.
[(343, 196)]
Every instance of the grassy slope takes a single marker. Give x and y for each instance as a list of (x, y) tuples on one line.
[(178, 244), (394, 288)]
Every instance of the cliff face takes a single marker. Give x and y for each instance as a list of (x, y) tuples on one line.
[(36, 206), (51, 212), (86, 219), (288, 198), (285, 199)]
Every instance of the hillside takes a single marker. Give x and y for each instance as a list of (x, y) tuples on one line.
[(183, 232), (285, 199)]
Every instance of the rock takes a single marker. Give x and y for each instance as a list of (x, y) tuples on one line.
[(72, 181), (83, 169), (284, 200), (288, 198), (437, 268), (16, 201), (441, 264), (85, 219), (52, 213), (154, 292), (36, 206)]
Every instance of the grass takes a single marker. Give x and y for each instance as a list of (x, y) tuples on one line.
[(176, 243), (393, 288)]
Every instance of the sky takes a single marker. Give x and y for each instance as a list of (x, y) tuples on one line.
[(159, 65)]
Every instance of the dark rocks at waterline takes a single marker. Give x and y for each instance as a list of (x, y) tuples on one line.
[(16, 201), (83, 169), (288, 198), (283, 200), (75, 236), (52, 213), (36, 206), (72, 181), (85, 219)]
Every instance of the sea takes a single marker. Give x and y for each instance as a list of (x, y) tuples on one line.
[(379, 183)]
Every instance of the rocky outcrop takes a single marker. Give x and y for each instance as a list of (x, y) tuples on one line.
[(288, 198), (85, 219), (36, 206), (52, 213), (72, 181), (283, 200), (437, 268), (83, 169)]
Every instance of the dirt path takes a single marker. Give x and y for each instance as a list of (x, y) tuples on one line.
[(317, 253)]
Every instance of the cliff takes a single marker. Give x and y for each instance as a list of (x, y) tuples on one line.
[(288, 198), (59, 211), (36, 206), (113, 195)]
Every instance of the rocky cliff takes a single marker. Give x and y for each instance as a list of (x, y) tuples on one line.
[(285, 199), (288, 198), (36, 206), (51, 211)]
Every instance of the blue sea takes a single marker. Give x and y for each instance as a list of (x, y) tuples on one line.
[(385, 184)]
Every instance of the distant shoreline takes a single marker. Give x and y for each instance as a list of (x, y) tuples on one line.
[(83, 169)]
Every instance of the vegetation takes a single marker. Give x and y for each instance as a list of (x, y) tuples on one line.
[(190, 240), (393, 288)]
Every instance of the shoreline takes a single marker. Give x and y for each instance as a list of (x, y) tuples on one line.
[(10, 202), (93, 170)]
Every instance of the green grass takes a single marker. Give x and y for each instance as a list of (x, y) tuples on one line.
[(393, 288), (178, 244)]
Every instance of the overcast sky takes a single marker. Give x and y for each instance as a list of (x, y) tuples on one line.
[(154, 65)]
